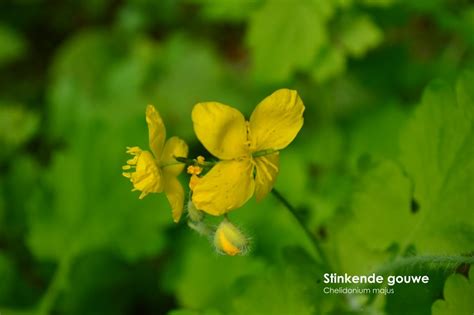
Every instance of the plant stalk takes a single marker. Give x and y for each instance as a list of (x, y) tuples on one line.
[(309, 234)]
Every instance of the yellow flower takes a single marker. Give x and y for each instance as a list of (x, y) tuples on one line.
[(248, 150), (157, 172)]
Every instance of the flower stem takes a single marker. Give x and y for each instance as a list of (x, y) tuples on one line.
[(188, 161), (309, 234), (56, 286)]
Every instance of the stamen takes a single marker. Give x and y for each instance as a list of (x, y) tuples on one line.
[(133, 150), (194, 170), (200, 159), (133, 161)]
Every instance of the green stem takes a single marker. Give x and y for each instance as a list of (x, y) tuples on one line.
[(57, 284), (309, 234), (188, 161), (430, 262)]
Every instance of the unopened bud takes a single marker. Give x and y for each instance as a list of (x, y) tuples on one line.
[(229, 240)]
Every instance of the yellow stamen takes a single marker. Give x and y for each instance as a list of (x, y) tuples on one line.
[(200, 159), (133, 161), (194, 170)]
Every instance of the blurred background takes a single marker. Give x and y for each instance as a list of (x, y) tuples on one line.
[(75, 78)]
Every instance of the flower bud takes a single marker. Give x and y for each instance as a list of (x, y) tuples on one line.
[(229, 240)]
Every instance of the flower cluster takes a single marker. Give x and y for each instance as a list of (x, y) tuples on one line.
[(248, 162)]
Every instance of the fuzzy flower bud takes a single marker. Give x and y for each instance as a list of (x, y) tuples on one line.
[(229, 240)]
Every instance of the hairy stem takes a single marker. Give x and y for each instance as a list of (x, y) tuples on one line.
[(429, 262), (309, 234)]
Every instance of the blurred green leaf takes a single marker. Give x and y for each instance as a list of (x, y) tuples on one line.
[(226, 10), (279, 40), (191, 73), (200, 278), (17, 126), (12, 45), (376, 133), (457, 296), (85, 204), (189, 312), (330, 62), (101, 283), (415, 298), (381, 206), (358, 34), (275, 291), (7, 274)]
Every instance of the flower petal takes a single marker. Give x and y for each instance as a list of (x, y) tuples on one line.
[(276, 121), (156, 130), (221, 129), (175, 195), (227, 186), (174, 147), (147, 176), (266, 174)]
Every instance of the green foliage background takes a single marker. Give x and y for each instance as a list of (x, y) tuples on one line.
[(382, 171)]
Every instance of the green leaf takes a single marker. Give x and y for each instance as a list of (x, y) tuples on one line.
[(276, 291), (375, 133), (191, 73), (437, 149), (12, 45), (85, 204), (330, 62), (457, 296), (379, 3), (17, 126), (465, 92), (284, 36), (381, 211), (415, 298), (201, 279), (226, 10), (358, 34), (426, 200)]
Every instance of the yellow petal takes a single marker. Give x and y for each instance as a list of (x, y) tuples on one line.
[(266, 174), (227, 186), (221, 129), (276, 121), (175, 195), (147, 176), (156, 130), (174, 147)]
